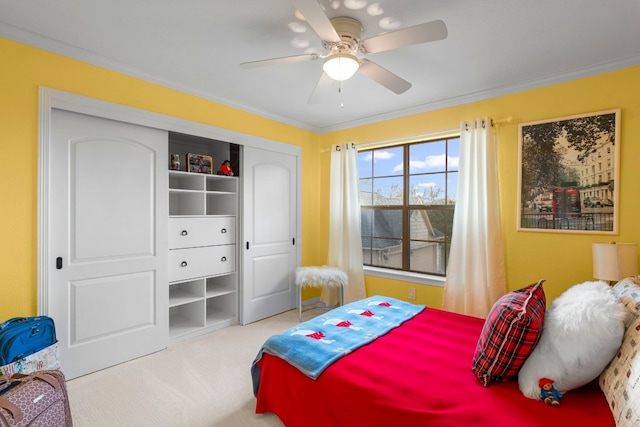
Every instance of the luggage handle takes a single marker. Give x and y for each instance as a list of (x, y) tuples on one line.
[(16, 413), (15, 380), (49, 379), (13, 320)]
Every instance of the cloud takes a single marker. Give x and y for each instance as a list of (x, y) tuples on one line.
[(379, 155), (432, 163), (427, 184), (384, 155)]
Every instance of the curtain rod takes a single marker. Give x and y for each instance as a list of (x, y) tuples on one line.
[(413, 138)]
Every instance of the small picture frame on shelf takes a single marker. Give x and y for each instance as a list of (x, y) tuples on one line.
[(175, 162), (199, 163)]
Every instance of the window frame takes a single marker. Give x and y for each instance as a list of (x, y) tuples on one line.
[(403, 274)]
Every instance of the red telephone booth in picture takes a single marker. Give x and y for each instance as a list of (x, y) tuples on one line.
[(566, 202)]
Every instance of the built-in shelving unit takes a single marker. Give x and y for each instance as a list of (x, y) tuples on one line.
[(203, 270)]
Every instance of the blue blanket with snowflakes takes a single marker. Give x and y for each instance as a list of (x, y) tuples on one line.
[(314, 345)]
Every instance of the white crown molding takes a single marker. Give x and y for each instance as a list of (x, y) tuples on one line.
[(51, 45)]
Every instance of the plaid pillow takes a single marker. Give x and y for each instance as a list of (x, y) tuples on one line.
[(510, 333)]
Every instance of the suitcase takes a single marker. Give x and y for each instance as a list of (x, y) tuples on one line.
[(44, 360), (39, 399), (23, 336)]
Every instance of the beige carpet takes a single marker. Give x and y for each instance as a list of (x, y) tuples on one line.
[(205, 381)]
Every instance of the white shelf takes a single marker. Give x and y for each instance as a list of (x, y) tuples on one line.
[(186, 318), (181, 191), (185, 181), (219, 292), (183, 202), (219, 193), (181, 326), (203, 304), (184, 294), (218, 318)]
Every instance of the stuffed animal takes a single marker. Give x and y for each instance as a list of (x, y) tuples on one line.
[(225, 168), (548, 393)]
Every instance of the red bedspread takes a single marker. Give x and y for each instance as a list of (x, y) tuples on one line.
[(419, 374)]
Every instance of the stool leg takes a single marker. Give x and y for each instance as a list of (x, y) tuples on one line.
[(300, 303)]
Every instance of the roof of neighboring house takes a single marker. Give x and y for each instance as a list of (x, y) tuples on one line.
[(388, 222)]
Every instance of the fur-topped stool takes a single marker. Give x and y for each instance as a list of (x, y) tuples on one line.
[(319, 277)]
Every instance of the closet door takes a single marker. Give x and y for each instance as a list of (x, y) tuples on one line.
[(106, 237), (269, 231)]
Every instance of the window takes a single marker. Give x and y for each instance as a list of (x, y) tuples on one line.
[(407, 198)]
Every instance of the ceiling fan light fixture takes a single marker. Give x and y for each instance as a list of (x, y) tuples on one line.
[(341, 66)]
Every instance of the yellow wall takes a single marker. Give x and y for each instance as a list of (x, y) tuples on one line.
[(562, 259), (23, 70)]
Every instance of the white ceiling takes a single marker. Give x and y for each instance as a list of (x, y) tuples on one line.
[(494, 47)]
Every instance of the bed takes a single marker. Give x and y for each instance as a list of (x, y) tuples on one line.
[(418, 373)]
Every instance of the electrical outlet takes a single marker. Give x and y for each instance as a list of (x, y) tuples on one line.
[(412, 293)]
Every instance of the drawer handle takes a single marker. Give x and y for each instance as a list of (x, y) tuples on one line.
[(223, 231), (184, 232), (183, 264), (223, 259)]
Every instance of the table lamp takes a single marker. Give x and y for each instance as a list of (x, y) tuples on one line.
[(614, 261)]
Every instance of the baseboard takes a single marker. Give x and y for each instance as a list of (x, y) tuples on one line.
[(311, 301)]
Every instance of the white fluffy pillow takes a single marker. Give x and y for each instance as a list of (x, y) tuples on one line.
[(582, 332)]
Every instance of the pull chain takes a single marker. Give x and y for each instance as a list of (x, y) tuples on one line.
[(341, 94)]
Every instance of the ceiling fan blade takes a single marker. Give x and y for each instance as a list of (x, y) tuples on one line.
[(317, 20), (282, 60), (383, 76), (321, 89), (422, 33)]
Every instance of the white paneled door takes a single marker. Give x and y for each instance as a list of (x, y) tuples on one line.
[(269, 231), (106, 240)]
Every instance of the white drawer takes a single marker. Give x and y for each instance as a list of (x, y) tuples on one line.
[(192, 263), (193, 232)]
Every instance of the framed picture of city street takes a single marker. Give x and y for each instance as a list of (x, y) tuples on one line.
[(568, 171)]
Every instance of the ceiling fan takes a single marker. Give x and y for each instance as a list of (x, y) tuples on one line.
[(341, 38)]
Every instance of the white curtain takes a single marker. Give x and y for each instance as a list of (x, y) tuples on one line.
[(345, 244), (476, 273)]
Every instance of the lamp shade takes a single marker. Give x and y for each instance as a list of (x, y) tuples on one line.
[(341, 66), (614, 261)]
